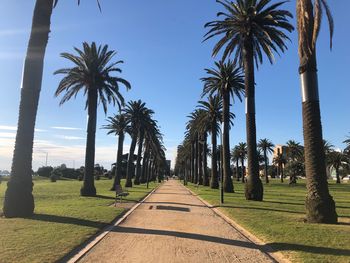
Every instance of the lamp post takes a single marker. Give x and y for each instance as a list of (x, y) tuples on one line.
[(221, 168)]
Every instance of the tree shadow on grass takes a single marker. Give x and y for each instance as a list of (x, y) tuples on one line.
[(67, 220), (105, 197), (270, 247), (259, 208)]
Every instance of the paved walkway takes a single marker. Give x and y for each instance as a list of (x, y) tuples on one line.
[(174, 226)]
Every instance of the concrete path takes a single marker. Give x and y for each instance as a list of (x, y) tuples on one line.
[(174, 226)]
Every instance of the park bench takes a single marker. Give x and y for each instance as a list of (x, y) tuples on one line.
[(119, 193)]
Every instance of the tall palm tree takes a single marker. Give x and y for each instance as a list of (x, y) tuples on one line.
[(213, 110), (250, 28), (235, 155), (138, 116), (266, 146), (225, 80), (242, 150), (338, 160), (118, 126), (91, 74), (320, 206), (19, 201)]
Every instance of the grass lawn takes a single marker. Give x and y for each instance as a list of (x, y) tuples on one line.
[(278, 220), (62, 220)]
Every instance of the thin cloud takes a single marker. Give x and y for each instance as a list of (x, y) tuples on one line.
[(69, 137), (7, 135), (66, 128), (14, 128)]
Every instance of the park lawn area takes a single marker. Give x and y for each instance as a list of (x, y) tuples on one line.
[(62, 221), (278, 220)]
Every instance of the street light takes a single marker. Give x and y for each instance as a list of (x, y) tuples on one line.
[(221, 168)]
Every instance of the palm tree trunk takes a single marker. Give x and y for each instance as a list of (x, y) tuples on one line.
[(228, 185), (266, 175), (281, 172), (144, 165), (192, 161), (237, 169), (205, 164), (139, 156), (130, 169), (214, 181), (200, 160), (243, 170), (19, 201), (320, 206), (196, 161), (118, 167), (253, 188), (88, 188), (338, 175)]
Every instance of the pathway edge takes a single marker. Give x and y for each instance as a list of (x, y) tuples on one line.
[(82, 252), (277, 256)]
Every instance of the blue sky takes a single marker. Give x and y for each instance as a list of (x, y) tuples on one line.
[(161, 45)]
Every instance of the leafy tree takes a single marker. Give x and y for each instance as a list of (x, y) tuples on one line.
[(320, 206), (92, 74), (226, 80), (250, 28), (266, 146)]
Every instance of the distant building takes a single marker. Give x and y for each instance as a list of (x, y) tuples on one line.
[(280, 149)]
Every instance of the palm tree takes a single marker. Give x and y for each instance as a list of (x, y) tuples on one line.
[(347, 142), (213, 110), (251, 28), (320, 206), (118, 126), (280, 161), (242, 150), (338, 160), (225, 80), (294, 150), (266, 146), (19, 201), (138, 116), (235, 155), (92, 75)]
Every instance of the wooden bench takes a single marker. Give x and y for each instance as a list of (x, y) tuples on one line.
[(119, 193)]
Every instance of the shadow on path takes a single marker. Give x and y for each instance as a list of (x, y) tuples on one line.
[(174, 203), (270, 247)]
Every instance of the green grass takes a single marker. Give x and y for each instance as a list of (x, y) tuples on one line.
[(62, 220), (278, 220)]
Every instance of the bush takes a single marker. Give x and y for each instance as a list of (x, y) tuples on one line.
[(45, 171)]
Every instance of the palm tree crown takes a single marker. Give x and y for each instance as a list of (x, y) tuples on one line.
[(92, 71), (226, 76), (250, 20)]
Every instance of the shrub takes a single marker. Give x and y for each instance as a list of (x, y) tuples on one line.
[(45, 171)]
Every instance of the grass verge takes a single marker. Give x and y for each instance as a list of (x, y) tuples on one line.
[(62, 221), (278, 220)]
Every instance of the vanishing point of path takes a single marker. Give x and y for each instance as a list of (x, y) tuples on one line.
[(173, 225)]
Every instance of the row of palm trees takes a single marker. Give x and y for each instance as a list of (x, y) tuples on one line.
[(248, 30), (137, 121)]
